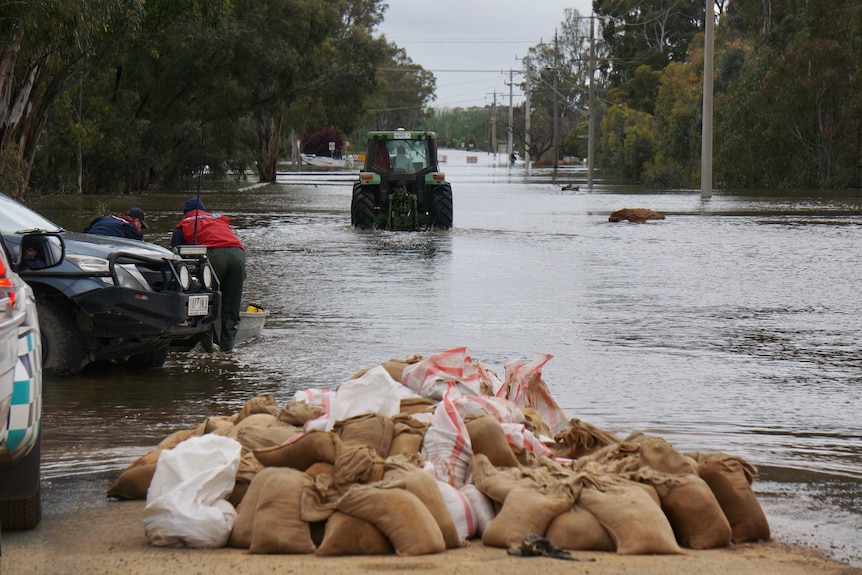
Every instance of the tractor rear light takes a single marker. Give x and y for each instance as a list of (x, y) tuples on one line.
[(367, 177), (438, 177)]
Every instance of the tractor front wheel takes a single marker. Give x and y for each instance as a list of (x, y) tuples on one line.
[(362, 208), (441, 207)]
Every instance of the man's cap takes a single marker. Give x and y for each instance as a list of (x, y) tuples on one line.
[(138, 214), (193, 204)]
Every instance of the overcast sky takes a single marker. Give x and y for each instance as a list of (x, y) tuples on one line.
[(486, 37)]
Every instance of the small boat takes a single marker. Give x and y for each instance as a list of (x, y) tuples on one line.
[(327, 162), (250, 323)]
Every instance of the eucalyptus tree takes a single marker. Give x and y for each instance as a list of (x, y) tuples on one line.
[(48, 47)]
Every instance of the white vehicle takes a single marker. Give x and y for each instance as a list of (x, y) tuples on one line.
[(21, 386)]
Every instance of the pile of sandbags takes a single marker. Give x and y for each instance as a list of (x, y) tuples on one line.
[(417, 456)]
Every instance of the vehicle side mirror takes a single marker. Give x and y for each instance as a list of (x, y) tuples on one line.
[(40, 250)]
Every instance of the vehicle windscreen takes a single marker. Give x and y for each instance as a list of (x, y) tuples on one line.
[(15, 217), (407, 156)]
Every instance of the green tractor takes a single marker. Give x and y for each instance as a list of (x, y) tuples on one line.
[(400, 187)]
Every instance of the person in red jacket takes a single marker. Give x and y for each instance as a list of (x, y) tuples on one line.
[(227, 256)]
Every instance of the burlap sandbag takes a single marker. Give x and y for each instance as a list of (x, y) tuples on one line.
[(219, 422), (240, 535), (637, 525), (407, 434), (488, 438), (399, 515), (578, 530), (411, 405), (298, 413), (424, 486), (371, 429), (263, 403), (348, 535), (321, 468), (534, 422), (302, 452), (134, 481), (525, 510), (249, 466), (693, 511), (356, 463), (727, 477), (657, 453), (262, 436), (178, 437), (581, 438), (496, 482), (278, 526)]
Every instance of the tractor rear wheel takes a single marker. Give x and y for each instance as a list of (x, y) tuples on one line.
[(362, 208), (441, 207)]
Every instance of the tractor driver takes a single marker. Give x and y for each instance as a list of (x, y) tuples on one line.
[(402, 163)]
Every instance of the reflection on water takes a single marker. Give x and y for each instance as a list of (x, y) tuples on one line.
[(733, 325)]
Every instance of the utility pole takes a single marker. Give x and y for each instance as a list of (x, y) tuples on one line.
[(509, 142), (706, 135), (591, 129), (527, 115), (494, 127), (556, 106)]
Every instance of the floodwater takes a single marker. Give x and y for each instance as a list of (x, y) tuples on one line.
[(733, 325)]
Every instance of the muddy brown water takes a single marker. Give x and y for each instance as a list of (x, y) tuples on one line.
[(733, 325)]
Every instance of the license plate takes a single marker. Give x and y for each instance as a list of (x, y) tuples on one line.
[(199, 304)]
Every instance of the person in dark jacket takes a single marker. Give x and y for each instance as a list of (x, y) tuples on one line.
[(227, 257), (129, 225)]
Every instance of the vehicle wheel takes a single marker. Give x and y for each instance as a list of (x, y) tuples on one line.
[(362, 208), (21, 514), (151, 359), (63, 348), (441, 207)]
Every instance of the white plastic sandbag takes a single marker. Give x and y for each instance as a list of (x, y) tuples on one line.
[(373, 392), (186, 503)]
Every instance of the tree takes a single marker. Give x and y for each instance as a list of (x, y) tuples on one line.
[(47, 48)]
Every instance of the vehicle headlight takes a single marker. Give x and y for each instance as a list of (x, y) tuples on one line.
[(185, 278), (206, 276), (129, 277), (89, 263)]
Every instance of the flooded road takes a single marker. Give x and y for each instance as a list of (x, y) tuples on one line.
[(733, 325)]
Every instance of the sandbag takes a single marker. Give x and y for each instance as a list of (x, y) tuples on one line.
[(582, 438), (301, 451), (425, 487), (186, 503), (637, 525), (577, 529), (657, 453), (298, 413), (357, 464), (134, 481), (481, 507), (178, 437), (263, 403), (495, 482), (399, 515), (447, 443), (411, 405), (249, 466), (371, 429), (693, 511), (261, 436), (434, 376), (348, 535), (407, 435), (373, 392), (488, 438), (278, 527), (460, 509), (240, 536), (727, 478), (525, 510)]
